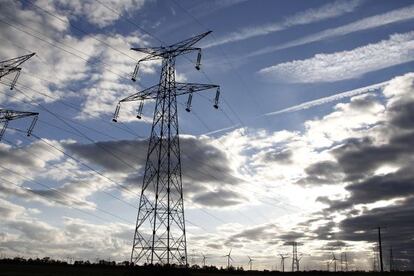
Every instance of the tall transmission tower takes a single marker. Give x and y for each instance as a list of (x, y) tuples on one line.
[(380, 249), (160, 229), (7, 67), (344, 262), (391, 260), (12, 66), (7, 115), (295, 260)]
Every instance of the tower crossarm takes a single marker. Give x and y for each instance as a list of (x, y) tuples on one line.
[(186, 88), (149, 93), (8, 115), (177, 49), (12, 65), (180, 89)]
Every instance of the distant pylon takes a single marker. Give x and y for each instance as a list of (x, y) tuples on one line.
[(380, 249), (7, 115), (344, 262), (12, 66), (391, 260), (295, 260), (160, 235)]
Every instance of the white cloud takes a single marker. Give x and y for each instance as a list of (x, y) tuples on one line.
[(333, 98), (267, 177), (101, 13), (398, 49), (399, 15), (330, 10), (100, 64)]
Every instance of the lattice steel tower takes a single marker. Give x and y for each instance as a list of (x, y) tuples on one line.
[(7, 67), (160, 229)]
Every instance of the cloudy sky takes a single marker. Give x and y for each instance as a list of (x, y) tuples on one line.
[(313, 140)]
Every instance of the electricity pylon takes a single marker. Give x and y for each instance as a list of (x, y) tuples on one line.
[(160, 229), (7, 115), (344, 262), (11, 66), (380, 249), (295, 260)]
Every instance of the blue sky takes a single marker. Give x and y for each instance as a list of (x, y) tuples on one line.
[(254, 177)]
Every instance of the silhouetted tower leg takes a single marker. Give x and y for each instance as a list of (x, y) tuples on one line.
[(295, 261), (380, 249), (346, 262), (391, 261), (160, 235)]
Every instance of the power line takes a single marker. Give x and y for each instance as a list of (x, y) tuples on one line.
[(61, 48), (226, 58), (42, 195), (122, 186), (77, 28), (74, 107), (163, 42), (117, 198), (60, 192), (59, 168)]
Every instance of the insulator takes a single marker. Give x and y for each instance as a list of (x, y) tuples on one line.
[(32, 125), (198, 60), (115, 118), (190, 98), (15, 79), (216, 99), (134, 75), (139, 110)]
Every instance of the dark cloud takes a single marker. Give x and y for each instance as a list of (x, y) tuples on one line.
[(292, 236), (334, 245), (324, 172), (115, 156), (219, 198), (401, 114), (201, 163), (282, 157)]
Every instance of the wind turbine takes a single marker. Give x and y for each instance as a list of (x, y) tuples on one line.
[(250, 262), (334, 259), (300, 258), (204, 259), (282, 261), (229, 258)]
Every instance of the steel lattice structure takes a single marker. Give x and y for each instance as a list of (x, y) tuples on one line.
[(7, 115), (160, 235), (12, 66)]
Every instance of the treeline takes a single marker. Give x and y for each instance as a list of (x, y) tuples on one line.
[(105, 263)]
